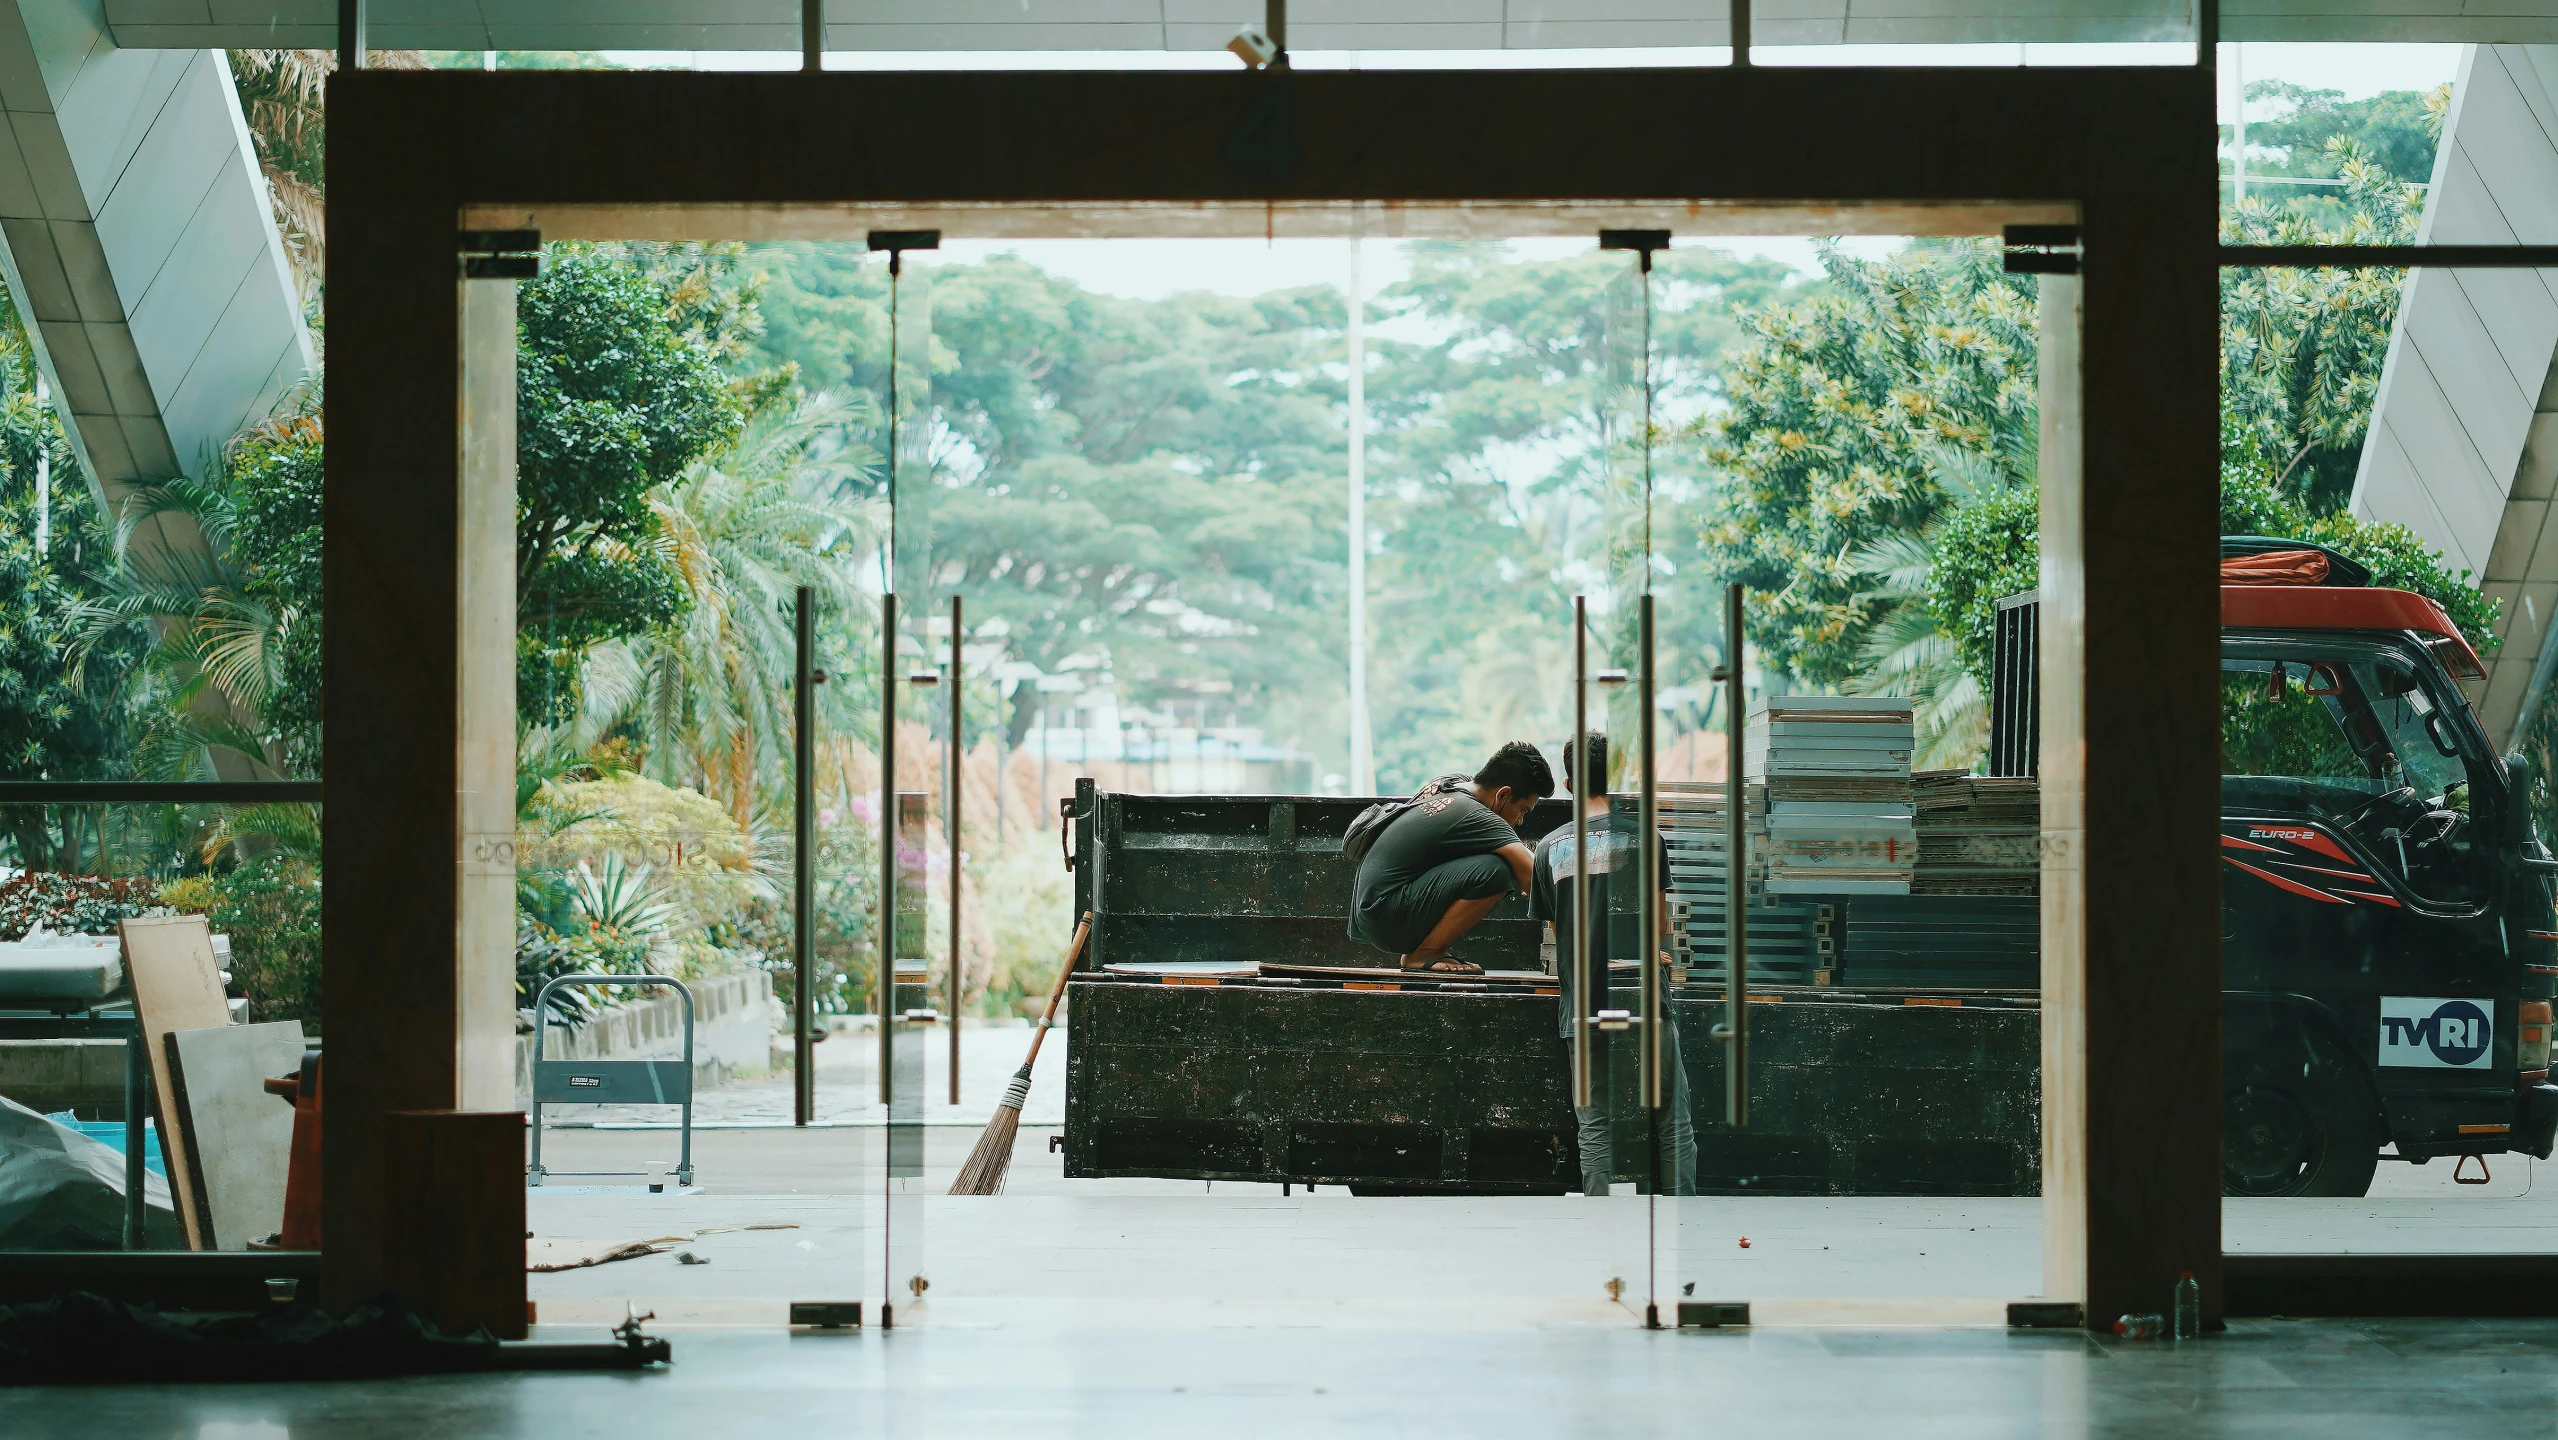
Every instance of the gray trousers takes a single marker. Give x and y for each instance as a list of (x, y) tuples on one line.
[(1677, 1175)]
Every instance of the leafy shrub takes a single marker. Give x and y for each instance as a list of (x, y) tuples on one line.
[(270, 907), (1989, 549), (65, 904)]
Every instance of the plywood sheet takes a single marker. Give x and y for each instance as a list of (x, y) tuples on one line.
[(176, 986), (238, 1138)]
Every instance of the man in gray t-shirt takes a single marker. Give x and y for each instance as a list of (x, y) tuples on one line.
[(1442, 865)]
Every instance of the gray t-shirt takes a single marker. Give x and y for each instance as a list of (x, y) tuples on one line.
[(1448, 824), (1550, 897)]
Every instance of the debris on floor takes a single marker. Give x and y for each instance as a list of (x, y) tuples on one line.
[(548, 1256), (545, 1256)]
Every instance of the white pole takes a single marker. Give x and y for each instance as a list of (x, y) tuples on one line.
[(1363, 762), (2238, 130), (44, 476)]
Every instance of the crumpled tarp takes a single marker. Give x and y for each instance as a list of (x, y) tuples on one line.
[(61, 1190), (85, 1339)]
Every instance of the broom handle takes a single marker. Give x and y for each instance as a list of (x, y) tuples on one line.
[(1074, 953)]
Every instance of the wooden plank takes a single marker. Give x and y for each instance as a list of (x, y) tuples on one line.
[(238, 1138), (176, 986), (454, 1187)]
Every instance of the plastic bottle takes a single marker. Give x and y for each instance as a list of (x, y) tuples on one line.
[(2189, 1306), (2141, 1327)]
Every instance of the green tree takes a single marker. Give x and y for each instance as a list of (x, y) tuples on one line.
[(612, 402), (709, 695), (1840, 402), (2301, 350), (2396, 130)]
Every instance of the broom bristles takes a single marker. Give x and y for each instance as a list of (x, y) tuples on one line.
[(992, 1159)]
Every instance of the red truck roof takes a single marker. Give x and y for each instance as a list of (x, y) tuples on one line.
[(2324, 607)]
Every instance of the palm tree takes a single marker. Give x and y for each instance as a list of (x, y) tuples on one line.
[(212, 659), (283, 97), (745, 527), (1906, 651)]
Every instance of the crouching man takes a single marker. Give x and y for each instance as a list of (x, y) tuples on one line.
[(1434, 873)]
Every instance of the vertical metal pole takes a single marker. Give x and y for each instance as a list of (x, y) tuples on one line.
[(950, 820), (1736, 887), (1363, 762), (1740, 34), (137, 1099), (803, 917), (2238, 125), (885, 962), (351, 48), (1584, 1000), (1648, 866), (812, 36), (44, 481)]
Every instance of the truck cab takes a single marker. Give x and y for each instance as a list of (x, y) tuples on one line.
[(2389, 951)]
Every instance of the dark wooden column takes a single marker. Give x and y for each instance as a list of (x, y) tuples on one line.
[(391, 844), (2130, 572)]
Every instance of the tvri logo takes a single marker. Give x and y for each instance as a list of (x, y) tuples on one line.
[(2435, 1034)]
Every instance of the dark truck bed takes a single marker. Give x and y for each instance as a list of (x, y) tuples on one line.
[(1389, 1085)]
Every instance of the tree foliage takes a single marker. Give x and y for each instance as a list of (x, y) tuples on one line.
[(2301, 349), (1839, 401), (612, 401)]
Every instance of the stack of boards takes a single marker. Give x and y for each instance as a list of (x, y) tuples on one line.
[(1790, 938), (1954, 907), (1977, 834), (1839, 816)]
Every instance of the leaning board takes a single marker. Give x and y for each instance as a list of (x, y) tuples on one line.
[(176, 986), (238, 1138)]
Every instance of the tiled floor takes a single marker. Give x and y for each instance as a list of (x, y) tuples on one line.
[(2324, 1379)]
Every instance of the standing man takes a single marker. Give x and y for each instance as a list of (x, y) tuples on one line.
[(1614, 837), (1444, 863)]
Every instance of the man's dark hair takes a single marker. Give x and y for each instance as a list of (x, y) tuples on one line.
[(1596, 747), (1519, 768)]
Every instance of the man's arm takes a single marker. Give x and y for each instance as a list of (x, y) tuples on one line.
[(1523, 864)]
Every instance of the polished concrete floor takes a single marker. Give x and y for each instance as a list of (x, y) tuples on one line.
[(2399, 1379)]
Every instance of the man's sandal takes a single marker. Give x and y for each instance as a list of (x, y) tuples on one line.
[(1438, 962)]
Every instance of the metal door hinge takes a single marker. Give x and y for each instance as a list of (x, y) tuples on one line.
[(2041, 250), (501, 254)]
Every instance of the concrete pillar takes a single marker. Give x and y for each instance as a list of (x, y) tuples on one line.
[(2061, 629), (484, 911)]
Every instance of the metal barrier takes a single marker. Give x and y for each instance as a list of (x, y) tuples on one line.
[(611, 1082)]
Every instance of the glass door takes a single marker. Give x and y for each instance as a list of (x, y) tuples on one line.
[(1864, 1093)]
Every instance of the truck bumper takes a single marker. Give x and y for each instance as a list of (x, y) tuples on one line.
[(2536, 1120)]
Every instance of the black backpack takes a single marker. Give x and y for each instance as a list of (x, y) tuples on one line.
[(1372, 822)]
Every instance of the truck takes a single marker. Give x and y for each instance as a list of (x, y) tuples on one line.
[(2389, 951), (2388, 947)]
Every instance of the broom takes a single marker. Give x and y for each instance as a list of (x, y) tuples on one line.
[(993, 1157)]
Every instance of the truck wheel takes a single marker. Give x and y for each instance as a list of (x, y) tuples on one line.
[(2283, 1136)]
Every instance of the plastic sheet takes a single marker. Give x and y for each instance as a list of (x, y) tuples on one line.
[(61, 1190)]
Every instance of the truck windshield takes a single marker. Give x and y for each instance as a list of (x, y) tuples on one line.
[(2355, 730), (2357, 721)]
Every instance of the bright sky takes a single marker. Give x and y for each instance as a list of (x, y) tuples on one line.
[(1148, 269)]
